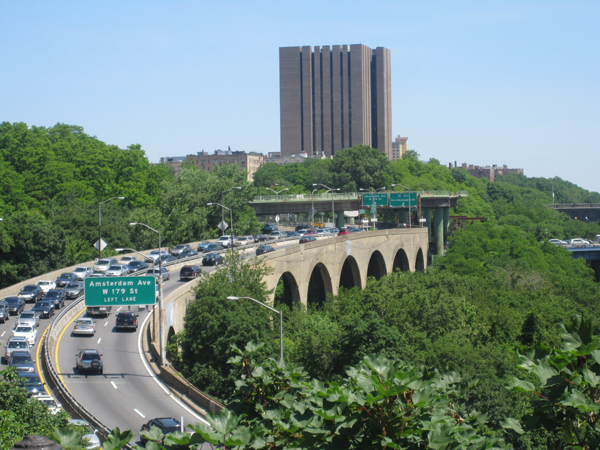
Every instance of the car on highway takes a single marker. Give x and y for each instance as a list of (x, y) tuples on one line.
[(161, 272), (117, 270), (103, 310), (275, 235), (31, 293), (343, 231), (202, 245), (56, 296), (189, 272), (557, 242), (33, 383), (28, 318), (14, 344), (96, 275), (179, 248), (84, 326), (15, 305), (269, 227), (22, 362), (65, 278), (226, 240), (243, 241), (103, 264), (125, 260), (126, 321), (262, 249), (300, 227), (166, 258), (44, 308), (213, 247), (74, 290), (164, 424), (187, 254), (292, 234), (578, 241), (402, 225), (153, 256), (82, 271), (46, 285), (306, 239), (4, 314), (50, 402), (26, 331), (259, 238), (89, 360), (355, 230), (310, 232), (89, 434), (212, 259), (134, 266)]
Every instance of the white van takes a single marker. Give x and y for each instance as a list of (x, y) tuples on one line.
[(226, 240)]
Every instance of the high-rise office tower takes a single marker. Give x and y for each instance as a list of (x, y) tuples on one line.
[(332, 98)]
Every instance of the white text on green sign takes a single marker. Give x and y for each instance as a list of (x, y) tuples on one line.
[(120, 291), (403, 199), (375, 199)]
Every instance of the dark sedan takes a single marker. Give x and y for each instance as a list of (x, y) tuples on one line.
[(126, 321), (74, 290), (269, 227), (56, 297), (292, 234), (212, 259), (354, 230), (189, 272), (31, 293), (306, 239), (165, 259), (187, 254), (213, 247), (44, 308), (15, 305), (134, 266), (262, 249), (260, 238), (33, 384), (65, 279)]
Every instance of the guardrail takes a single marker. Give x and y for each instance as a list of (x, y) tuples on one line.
[(574, 205), (345, 196)]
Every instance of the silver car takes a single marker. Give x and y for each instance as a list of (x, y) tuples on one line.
[(28, 318), (89, 433), (117, 270), (85, 325), (82, 272), (102, 265), (14, 344)]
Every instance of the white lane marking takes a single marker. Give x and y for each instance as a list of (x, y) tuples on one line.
[(155, 378), (3, 333), (114, 385), (106, 323), (99, 340), (140, 413)]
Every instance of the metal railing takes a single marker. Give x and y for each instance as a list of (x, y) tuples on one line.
[(345, 196)]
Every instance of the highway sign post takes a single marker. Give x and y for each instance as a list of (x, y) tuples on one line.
[(111, 291), (380, 199), (403, 199)]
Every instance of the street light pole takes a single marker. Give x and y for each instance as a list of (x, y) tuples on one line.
[(332, 209), (222, 210), (160, 304), (312, 207), (100, 223), (232, 298), (277, 192), (230, 218)]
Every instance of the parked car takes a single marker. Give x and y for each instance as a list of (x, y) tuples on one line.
[(50, 402), (56, 296), (276, 235), (44, 308), (134, 266), (103, 264), (33, 383), (306, 239), (89, 360), (166, 258), (28, 318), (117, 270), (189, 272), (165, 424), (187, 254), (213, 247), (243, 241), (262, 249), (14, 344), (153, 256), (31, 293), (82, 271), (65, 279), (21, 361), (4, 313), (202, 245), (126, 321), (212, 259), (85, 326), (259, 238), (179, 248), (15, 305), (74, 290), (159, 272), (226, 240), (89, 434), (26, 331), (343, 231), (269, 227), (46, 285)]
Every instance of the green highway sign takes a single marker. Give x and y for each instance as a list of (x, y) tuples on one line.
[(374, 199), (120, 291), (361, 211), (401, 199)]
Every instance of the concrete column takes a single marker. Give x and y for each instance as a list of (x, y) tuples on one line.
[(446, 223), (339, 220), (426, 212), (438, 217), (403, 216)]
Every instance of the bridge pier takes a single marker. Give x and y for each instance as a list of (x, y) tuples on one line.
[(403, 216), (339, 220), (446, 223), (426, 214), (438, 216)]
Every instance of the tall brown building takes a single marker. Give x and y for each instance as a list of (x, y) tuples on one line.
[(332, 98)]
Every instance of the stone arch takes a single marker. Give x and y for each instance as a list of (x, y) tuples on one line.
[(376, 267), (319, 285), (170, 335), (401, 261), (350, 274), (420, 262), (291, 294)]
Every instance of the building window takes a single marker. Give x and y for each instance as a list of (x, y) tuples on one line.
[(243, 161), (221, 162), (216, 161), (202, 162), (233, 160)]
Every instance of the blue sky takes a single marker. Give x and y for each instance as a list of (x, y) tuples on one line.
[(511, 82)]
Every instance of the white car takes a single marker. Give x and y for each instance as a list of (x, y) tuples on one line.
[(90, 434), (103, 264), (127, 259), (557, 242), (85, 325), (154, 255), (46, 285), (49, 401), (578, 241), (276, 235), (82, 272), (26, 331), (117, 270), (226, 240), (243, 240)]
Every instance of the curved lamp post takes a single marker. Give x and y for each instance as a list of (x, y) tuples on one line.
[(160, 299), (409, 209), (230, 218), (231, 298), (100, 223), (277, 192), (223, 201), (329, 190)]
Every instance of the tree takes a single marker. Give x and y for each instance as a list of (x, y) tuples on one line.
[(358, 167)]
